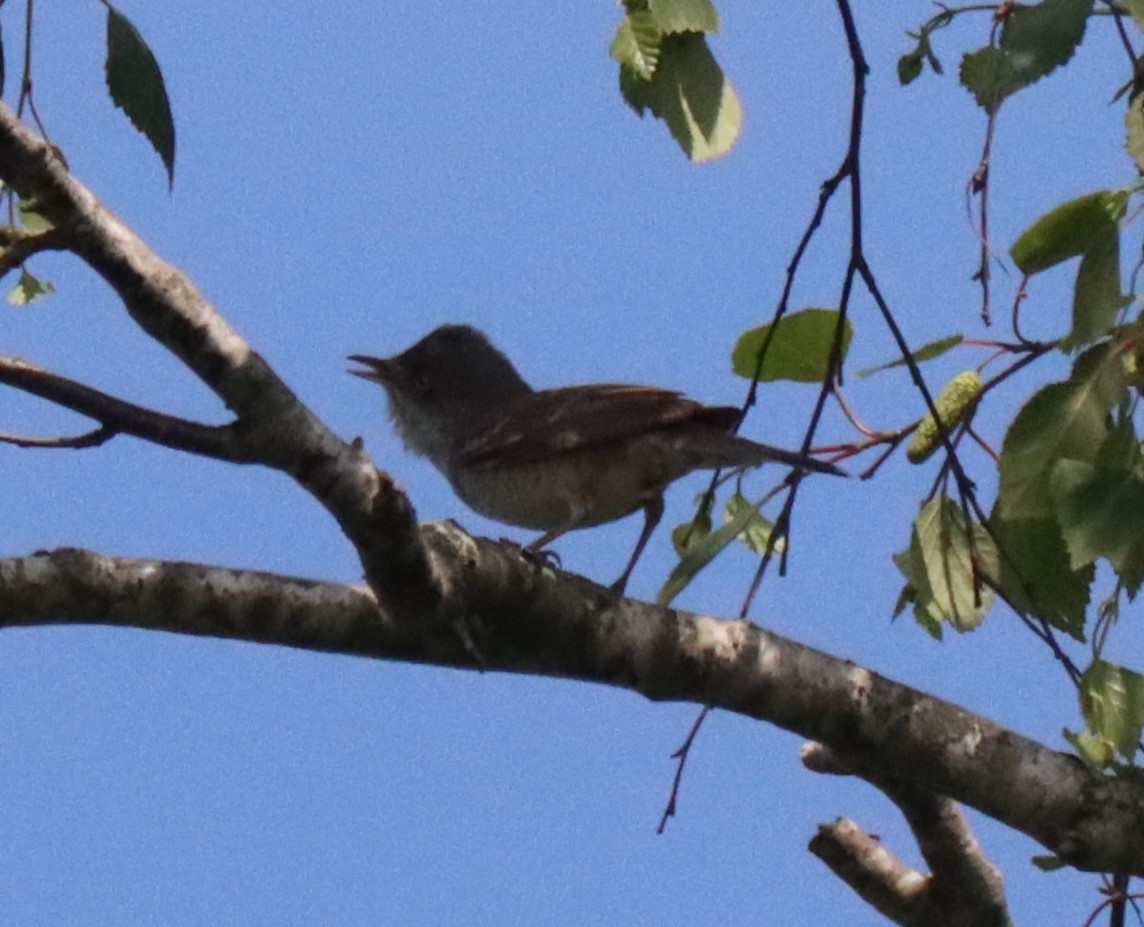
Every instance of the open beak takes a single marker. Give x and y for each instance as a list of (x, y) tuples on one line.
[(378, 369)]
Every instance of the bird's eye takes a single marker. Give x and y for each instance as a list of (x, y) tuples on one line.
[(422, 385)]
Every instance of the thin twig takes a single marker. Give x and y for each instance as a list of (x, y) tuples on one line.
[(98, 436), (681, 755)]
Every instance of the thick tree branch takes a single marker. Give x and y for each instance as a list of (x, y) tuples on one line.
[(963, 887), (502, 612), (273, 426)]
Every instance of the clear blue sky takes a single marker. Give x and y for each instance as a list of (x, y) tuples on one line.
[(349, 176)]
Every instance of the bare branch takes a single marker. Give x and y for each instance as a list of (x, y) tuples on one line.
[(273, 427), (120, 417), (500, 611), (875, 874), (964, 887), (94, 438)]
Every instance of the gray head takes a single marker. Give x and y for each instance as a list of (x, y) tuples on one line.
[(438, 387)]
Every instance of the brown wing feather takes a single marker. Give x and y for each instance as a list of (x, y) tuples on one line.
[(552, 422)]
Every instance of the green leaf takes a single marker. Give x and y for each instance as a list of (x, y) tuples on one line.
[(1044, 36), (1134, 127), (702, 553), (691, 94), (946, 564), (916, 590), (684, 15), (1036, 575), (1112, 701), (1063, 421), (1097, 299), (1100, 506), (911, 63), (757, 532), (136, 86), (1136, 11), (1091, 748), (636, 44), (31, 218), (28, 289), (910, 66), (926, 352), (988, 74), (799, 349), (688, 533), (907, 594), (1072, 228), (1035, 40)]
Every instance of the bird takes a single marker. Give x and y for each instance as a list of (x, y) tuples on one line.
[(554, 460)]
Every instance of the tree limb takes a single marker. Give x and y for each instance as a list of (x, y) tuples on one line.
[(506, 613), (273, 427), (963, 887), (119, 416)]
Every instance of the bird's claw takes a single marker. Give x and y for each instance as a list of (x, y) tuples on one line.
[(542, 558)]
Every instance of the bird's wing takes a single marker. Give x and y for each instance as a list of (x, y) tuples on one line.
[(550, 422)]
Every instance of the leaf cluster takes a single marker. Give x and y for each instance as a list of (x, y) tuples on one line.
[(667, 69)]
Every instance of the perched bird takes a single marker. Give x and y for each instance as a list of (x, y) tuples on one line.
[(554, 460)]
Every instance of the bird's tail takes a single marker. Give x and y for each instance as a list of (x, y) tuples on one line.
[(728, 450)]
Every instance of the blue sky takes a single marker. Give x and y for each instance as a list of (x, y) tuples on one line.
[(350, 176)]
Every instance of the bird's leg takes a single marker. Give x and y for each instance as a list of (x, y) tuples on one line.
[(537, 549), (653, 512)]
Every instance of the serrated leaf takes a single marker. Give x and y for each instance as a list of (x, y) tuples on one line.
[(1036, 576), (702, 553), (673, 16), (28, 289), (926, 352), (1097, 299), (956, 556), (636, 44), (135, 83), (1062, 421), (988, 74), (1100, 506), (757, 532), (1112, 701), (1068, 230), (1045, 35), (1035, 40), (799, 349), (691, 94)]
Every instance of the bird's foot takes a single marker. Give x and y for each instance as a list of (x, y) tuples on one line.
[(542, 558)]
